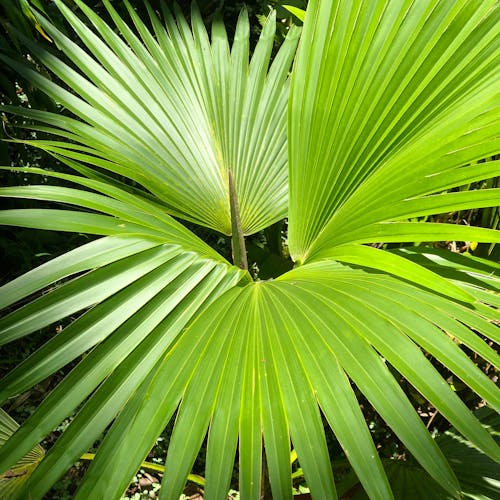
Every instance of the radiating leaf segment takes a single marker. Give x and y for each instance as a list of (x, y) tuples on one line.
[(389, 101)]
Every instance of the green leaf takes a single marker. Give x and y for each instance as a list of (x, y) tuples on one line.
[(476, 472), (123, 362), (299, 13), (390, 232), (392, 104), (27, 12), (13, 480), (85, 291), (384, 98), (173, 114), (333, 392), (148, 213), (94, 254), (151, 410), (279, 328), (390, 263), (462, 269)]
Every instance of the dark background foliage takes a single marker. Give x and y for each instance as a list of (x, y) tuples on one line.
[(21, 250)]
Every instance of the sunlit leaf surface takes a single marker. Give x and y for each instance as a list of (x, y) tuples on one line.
[(390, 102)]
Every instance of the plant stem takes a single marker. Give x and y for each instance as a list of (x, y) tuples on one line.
[(237, 238)]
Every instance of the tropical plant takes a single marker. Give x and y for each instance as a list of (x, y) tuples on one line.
[(477, 474), (13, 480), (389, 103)]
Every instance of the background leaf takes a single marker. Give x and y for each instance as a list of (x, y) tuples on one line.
[(13, 480)]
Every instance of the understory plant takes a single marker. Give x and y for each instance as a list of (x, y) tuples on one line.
[(388, 108)]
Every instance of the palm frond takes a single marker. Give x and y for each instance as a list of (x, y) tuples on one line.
[(390, 103), (174, 111), (387, 101)]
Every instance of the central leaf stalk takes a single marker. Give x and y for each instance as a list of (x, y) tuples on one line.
[(237, 238)]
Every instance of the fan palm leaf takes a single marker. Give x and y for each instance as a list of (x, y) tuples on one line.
[(389, 103), (177, 104)]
